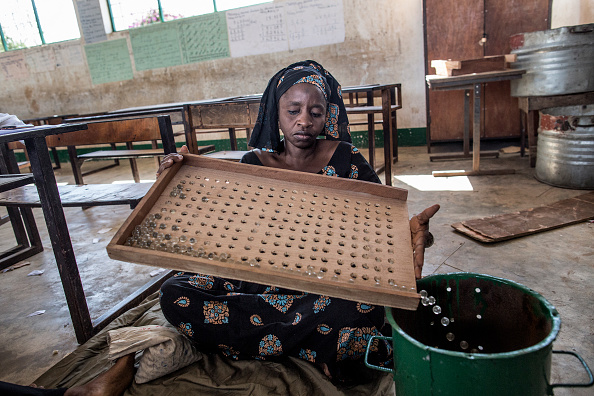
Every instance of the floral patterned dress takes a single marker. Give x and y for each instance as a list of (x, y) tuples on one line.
[(244, 320)]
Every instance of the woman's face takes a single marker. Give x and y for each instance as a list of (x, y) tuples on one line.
[(302, 114)]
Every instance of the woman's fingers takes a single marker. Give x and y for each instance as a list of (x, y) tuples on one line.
[(421, 237), (170, 159), (428, 213)]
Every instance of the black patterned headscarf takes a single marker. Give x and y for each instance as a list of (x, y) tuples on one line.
[(266, 134)]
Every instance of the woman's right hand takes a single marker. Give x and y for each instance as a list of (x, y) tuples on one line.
[(170, 159)]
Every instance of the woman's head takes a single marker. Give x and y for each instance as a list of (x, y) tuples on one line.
[(308, 79), (302, 114)]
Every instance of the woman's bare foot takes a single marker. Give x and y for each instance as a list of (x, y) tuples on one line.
[(325, 369), (113, 382)]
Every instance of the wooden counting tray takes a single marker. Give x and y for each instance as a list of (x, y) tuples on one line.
[(325, 235)]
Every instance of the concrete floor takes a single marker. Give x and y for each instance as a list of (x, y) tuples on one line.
[(558, 264)]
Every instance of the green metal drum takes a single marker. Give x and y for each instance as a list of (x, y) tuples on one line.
[(474, 334)]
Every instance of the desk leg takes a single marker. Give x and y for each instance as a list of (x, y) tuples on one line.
[(476, 144), (476, 128), (190, 133), (388, 142), (233, 139), (248, 135), (370, 131), (467, 122), (60, 238), (394, 128), (532, 153)]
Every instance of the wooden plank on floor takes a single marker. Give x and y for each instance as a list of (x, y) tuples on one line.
[(529, 221)]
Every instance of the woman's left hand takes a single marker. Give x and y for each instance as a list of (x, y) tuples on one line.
[(421, 237)]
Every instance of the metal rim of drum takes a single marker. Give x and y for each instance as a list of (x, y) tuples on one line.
[(548, 340), (557, 61), (565, 154)]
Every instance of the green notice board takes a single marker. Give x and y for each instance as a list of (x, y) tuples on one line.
[(109, 61), (156, 46), (204, 37)]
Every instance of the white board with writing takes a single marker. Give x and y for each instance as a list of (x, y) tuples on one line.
[(13, 65), (69, 54), (257, 30), (314, 22), (41, 59)]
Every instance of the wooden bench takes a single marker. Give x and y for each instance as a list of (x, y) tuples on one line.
[(28, 241), (360, 100), (120, 133), (228, 155), (106, 131), (87, 195), (23, 165)]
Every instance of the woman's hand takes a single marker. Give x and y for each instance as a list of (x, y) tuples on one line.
[(170, 159), (421, 237)]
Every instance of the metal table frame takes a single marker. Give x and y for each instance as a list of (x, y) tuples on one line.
[(471, 82)]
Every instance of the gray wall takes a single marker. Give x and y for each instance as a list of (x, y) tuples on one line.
[(380, 47)]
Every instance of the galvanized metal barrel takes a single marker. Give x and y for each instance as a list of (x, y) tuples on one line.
[(557, 61), (566, 147), (481, 335)]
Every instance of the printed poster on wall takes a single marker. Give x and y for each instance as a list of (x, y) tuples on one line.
[(156, 46), (203, 37), (257, 30), (109, 61)]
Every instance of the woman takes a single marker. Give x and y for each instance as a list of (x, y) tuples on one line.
[(244, 320)]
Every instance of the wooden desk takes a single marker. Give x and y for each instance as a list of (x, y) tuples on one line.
[(234, 156), (241, 112), (391, 101), (469, 82), (45, 181)]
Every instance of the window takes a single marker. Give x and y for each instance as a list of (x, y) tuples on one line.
[(223, 5), (127, 14), (58, 20), (19, 26), (27, 23)]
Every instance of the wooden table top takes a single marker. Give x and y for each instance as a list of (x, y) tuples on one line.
[(464, 80)]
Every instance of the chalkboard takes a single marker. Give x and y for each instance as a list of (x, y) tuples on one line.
[(204, 37), (156, 46), (109, 61)]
